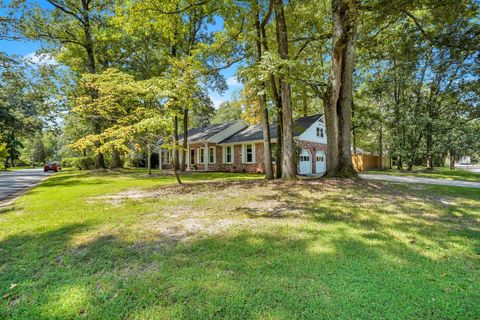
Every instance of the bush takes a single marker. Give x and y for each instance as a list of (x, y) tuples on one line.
[(22, 163), (85, 163), (68, 162), (81, 163)]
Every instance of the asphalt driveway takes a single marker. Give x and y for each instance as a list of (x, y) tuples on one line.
[(411, 179), (14, 181)]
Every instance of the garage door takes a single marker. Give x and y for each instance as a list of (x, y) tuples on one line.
[(320, 162), (305, 163)]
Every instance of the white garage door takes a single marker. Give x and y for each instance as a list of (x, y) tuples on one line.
[(305, 163), (320, 162)]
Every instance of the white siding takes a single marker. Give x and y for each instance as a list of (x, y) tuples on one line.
[(311, 133)]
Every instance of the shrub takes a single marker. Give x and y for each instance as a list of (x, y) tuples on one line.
[(81, 163), (69, 162), (23, 163)]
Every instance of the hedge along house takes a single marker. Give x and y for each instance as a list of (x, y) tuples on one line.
[(236, 147)]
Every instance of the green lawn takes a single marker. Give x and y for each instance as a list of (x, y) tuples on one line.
[(438, 172), (121, 245)]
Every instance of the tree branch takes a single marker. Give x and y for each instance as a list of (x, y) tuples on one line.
[(66, 10), (177, 11)]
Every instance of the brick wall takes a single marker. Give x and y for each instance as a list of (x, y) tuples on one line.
[(238, 166)]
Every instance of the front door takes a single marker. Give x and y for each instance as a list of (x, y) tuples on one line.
[(305, 163)]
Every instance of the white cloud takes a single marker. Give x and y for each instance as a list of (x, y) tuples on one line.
[(217, 101), (40, 58), (233, 82)]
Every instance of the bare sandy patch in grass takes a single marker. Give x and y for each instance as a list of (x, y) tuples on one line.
[(189, 211)]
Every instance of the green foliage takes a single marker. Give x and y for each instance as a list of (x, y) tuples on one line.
[(80, 163), (38, 154), (3, 154), (228, 111), (69, 162), (84, 163), (416, 82)]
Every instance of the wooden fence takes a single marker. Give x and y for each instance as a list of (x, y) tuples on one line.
[(363, 162)]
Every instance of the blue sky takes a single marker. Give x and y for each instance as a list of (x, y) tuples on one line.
[(28, 49)]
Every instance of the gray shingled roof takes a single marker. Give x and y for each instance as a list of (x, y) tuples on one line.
[(198, 134), (255, 132), (251, 133), (202, 133)]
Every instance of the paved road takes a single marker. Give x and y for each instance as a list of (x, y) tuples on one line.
[(411, 179), (13, 181), (475, 169)]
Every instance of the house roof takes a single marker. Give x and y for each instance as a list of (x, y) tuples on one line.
[(203, 133), (251, 133), (255, 132), (199, 134)]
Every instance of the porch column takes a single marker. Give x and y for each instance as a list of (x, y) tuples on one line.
[(206, 158), (187, 155), (160, 158)]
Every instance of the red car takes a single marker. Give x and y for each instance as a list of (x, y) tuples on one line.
[(51, 167)]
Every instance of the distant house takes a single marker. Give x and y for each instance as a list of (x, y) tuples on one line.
[(237, 147), (465, 160)]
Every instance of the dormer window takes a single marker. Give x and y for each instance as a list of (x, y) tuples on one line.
[(320, 132)]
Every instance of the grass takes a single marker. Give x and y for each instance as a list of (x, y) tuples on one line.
[(437, 173), (121, 245)]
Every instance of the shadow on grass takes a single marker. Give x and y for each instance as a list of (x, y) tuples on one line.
[(344, 265), (307, 273)]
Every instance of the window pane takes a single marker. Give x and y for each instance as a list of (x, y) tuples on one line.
[(228, 154), (211, 155), (249, 153)]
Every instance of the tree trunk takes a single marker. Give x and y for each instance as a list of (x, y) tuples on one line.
[(380, 141), (262, 100), (354, 136), (99, 158), (91, 67), (183, 162), (429, 145), (89, 47), (452, 161), (399, 163), (289, 170), (338, 114), (175, 142), (278, 106), (149, 159), (116, 159), (175, 171), (409, 165), (304, 102), (331, 124), (279, 150), (99, 161)]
